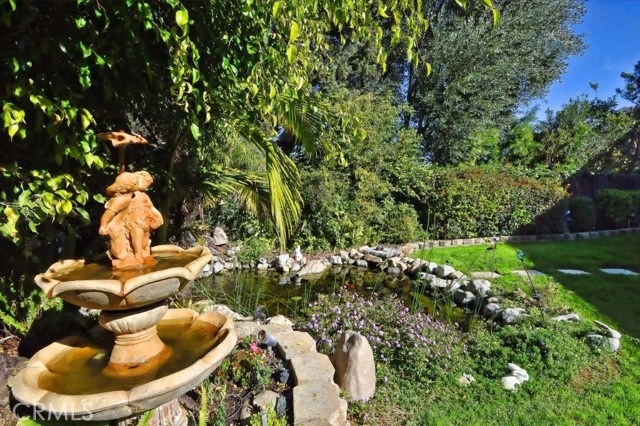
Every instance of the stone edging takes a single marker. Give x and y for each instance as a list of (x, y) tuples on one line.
[(526, 238), (316, 398)]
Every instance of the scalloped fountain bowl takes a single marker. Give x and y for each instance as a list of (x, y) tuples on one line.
[(151, 354), (97, 286), (72, 376)]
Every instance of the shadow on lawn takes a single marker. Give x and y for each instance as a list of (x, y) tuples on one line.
[(614, 296)]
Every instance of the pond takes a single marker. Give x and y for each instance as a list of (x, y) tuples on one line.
[(280, 294)]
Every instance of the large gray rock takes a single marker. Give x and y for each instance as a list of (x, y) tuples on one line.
[(492, 310), (479, 287), (512, 315), (445, 271), (314, 267), (355, 366), (335, 260), (612, 336), (372, 260), (219, 237), (464, 298), (319, 404)]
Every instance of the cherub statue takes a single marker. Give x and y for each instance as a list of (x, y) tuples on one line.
[(128, 221)]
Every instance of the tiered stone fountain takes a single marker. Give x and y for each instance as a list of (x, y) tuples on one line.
[(144, 355)]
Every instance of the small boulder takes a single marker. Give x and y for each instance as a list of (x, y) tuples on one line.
[(568, 318), (393, 270), (445, 271), (218, 267), (355, 366), (297, 254), (479, 287), (280, 319), (492, 310), (219, 237), (464, 298), (344, 255), (361, 263), (335, 260), (511, 315), (265, 399), (314, 267), (372, 260)]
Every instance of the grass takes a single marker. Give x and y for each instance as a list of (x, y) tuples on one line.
[(574, 386), (611, 298)]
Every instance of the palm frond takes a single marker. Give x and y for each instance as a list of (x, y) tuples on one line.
[(283, 178)]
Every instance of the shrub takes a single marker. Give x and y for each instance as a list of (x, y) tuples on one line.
[(253, 248), (583, 214), (478, 201), (414, 346), (614, 207)]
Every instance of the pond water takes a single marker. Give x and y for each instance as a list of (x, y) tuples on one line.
[(279, 294)]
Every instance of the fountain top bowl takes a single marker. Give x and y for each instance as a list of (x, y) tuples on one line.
[(96, 286)]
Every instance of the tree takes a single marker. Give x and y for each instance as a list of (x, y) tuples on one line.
[(481, 74), (187, 75)]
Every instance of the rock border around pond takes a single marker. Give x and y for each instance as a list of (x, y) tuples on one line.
[(316, 398)]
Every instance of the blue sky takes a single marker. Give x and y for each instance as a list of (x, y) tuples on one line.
[(612, 38)]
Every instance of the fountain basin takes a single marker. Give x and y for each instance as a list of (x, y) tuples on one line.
[(72, 377), (97, 286)]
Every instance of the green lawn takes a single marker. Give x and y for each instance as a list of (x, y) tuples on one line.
[(612, 298), (598, 390)]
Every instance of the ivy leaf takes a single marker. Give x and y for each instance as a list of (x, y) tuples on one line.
[(86, 118), (291, 53), (80, 22), (182, 17), (276, 8), (295, 31), (195, 131)]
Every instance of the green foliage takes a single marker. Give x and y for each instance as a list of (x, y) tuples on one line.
[(481, 74), (246, 366), (271, 416), (567, 350), (472, 201), (21, 305), (580, 132), (200, 73), (583, 214), (614, 207), (371, 198), (253, 248)]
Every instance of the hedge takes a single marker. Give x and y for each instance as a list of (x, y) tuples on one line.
[(479, 201), (614, 208)]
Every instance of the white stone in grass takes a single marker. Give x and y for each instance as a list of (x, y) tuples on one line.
[(517, 376), (532, 272), (445, 271), (480, 287), (568, 318), (610, 331), (466, 379), (573, 272), (484, 275), (619, 271)]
